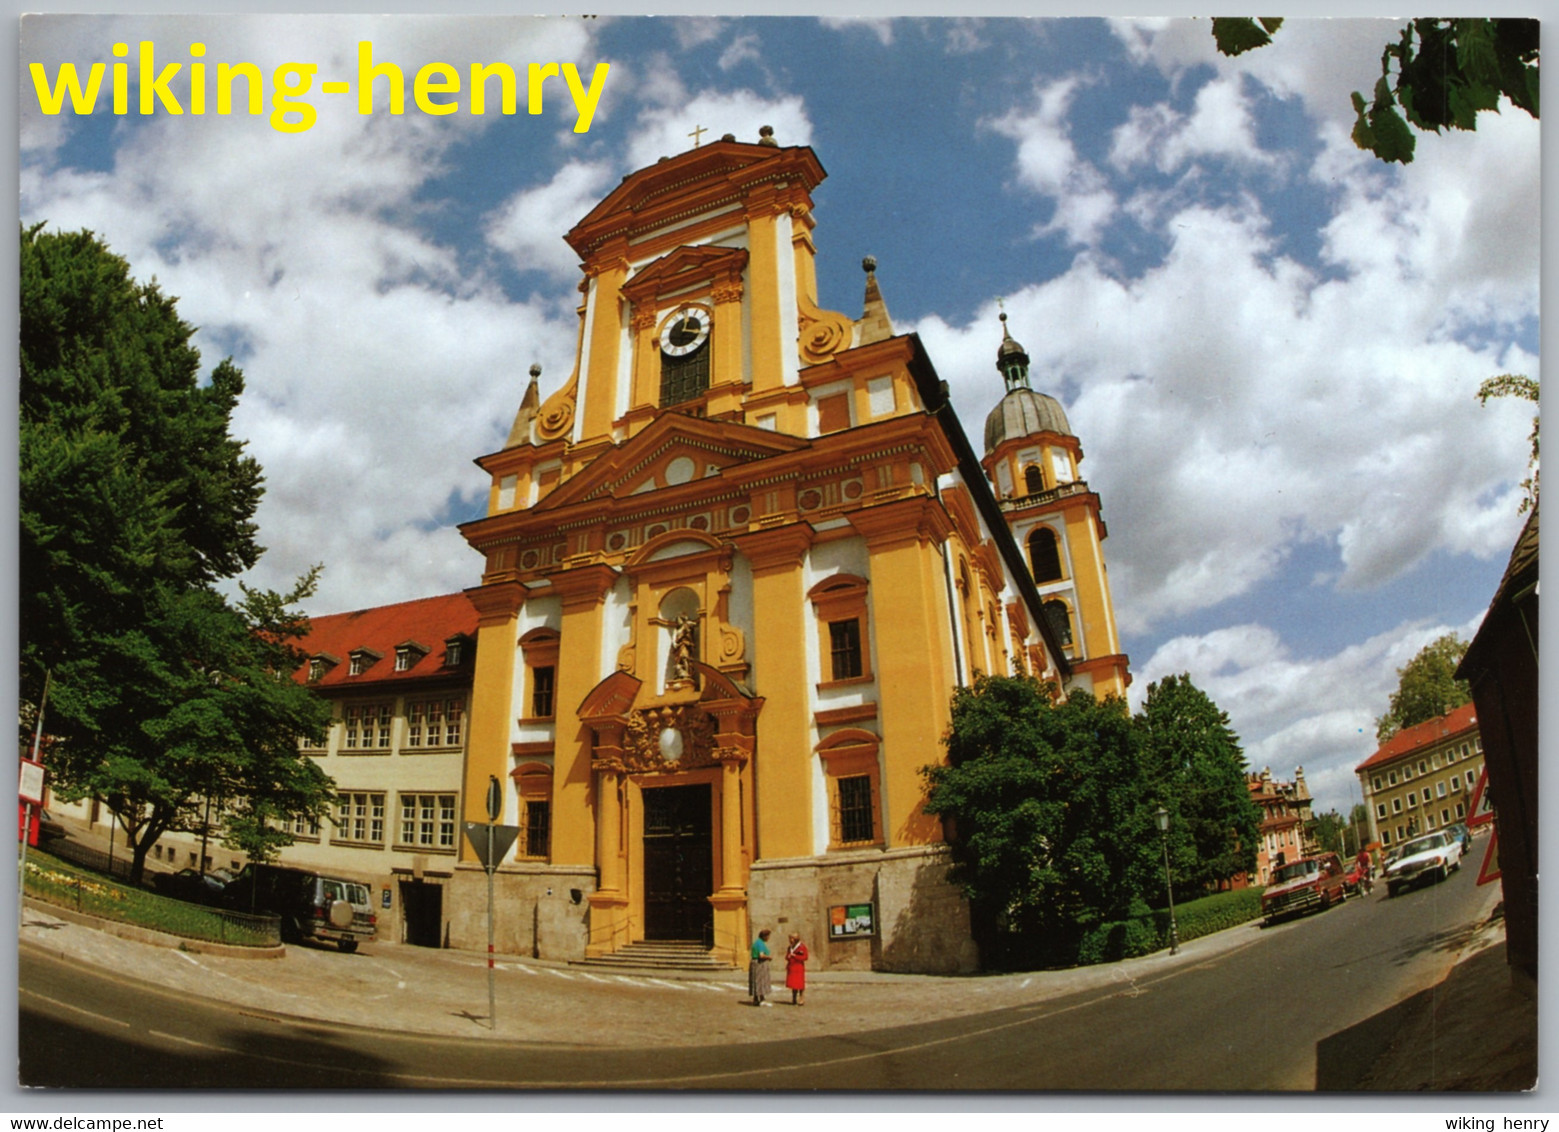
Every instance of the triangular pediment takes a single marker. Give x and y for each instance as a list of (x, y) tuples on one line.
[(672, 450), (669, 185), (684, 268)]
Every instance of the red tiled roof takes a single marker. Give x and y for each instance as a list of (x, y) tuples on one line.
[(428, 622), (1410, 739)]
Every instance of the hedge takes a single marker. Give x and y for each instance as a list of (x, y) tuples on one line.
[(1148, 931)]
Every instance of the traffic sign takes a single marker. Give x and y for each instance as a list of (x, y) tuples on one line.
[(494, 798), (498, 838), (1489, 872), (1482, 808), (31, 788)]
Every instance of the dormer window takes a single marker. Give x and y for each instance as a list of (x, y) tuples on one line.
[(408, 654), (319, 665), (455, 651), (362, 660)]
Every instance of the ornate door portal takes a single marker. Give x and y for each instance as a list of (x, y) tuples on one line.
[(678, 863)]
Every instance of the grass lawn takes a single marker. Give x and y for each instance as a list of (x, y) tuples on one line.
[(57, 882)]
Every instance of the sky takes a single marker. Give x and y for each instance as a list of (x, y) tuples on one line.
[(1268, 342)]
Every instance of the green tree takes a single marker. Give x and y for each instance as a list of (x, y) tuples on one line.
[(1044, 805), (1527, 389), (1439, 74), (135, 501), (1196, 769), (1427, 687)]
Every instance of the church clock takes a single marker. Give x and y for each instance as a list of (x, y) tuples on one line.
[(684, 357)]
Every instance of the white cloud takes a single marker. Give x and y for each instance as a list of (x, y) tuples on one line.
[(740, 50), (881, 28), (1048, 163), (529, 226), (1219, 125)]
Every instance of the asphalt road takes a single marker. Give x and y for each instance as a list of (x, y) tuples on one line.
[(1305, 1004)]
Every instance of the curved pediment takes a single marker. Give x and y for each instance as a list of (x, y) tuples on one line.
[(685, 268)]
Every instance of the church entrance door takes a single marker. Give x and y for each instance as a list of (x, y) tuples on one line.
[(678, 863)]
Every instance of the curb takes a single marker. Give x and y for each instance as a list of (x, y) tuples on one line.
[(152, 936)]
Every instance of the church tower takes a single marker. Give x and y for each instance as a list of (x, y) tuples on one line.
[(1032, 459), (734, 567)]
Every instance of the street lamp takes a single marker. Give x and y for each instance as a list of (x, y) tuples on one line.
[(1161, 817)]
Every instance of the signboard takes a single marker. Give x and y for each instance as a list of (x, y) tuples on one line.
[(494, 799), (848, 921), (1488, 872), (1482, 810), (384, 898), (503, 839), (31, 788)]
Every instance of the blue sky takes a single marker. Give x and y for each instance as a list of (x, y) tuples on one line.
[(1267, 341)]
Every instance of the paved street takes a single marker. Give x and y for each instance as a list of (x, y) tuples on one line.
[(1251, 1008)]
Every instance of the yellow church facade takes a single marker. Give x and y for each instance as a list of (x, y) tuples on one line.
[(734, 568)]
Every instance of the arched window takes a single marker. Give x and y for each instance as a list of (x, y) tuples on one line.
[(1060, 619), (1044, 555), (1033, 479)]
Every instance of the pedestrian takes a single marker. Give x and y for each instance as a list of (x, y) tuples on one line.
[(796, 970), (758, 969)]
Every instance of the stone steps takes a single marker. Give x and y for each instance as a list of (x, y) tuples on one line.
[(666, 955)]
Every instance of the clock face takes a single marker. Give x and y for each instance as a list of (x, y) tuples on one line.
[(684, 332)]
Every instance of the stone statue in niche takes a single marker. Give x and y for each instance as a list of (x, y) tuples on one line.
[(683, 651)]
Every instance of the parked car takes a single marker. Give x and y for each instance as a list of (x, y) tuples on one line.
[(1307, 885), (1462, 834), (189, 884), (312, 906), (1435, 855)]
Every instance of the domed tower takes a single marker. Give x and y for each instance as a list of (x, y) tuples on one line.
[(1032, 459)]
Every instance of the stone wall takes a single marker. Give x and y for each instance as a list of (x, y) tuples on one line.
[(922, 918), (535, 911)]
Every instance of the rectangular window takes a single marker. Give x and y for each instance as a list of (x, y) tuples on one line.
[(434, 723), (844, 646), (1396, 805), (307, 826), (1385, 837), (1407, 773), (541, 688), (1472, 779), (1412, 798), (1423, 767), (360, 818), (1380, 809), (1375, 782), (428, 820), (1445, 817), (1393, 778), (367, 727), (1429, 821), (1461, 810), (1456, 784), (1439, 788), (1401, 833), (855, 809), (538, 828)]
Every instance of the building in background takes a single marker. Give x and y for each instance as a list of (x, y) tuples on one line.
[(1285, 821), (1422, 778)]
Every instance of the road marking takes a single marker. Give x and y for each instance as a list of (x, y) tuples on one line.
[(77, 1009), (626, 979), (716, 987), (592, 978), (192, 1042), (1024, 983), (667, 983), (187, 957), (560, 974)]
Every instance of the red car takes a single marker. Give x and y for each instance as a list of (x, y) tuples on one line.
[(1309, 885)]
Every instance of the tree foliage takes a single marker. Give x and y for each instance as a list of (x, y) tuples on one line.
[(1439, 74), (1196, 768), (135, 501), (1427, 687), (1527, 389), (1051, 832)]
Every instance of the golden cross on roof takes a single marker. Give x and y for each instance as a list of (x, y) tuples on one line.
[(697, 133)]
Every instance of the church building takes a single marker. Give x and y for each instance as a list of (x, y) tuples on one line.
[(734, 568)]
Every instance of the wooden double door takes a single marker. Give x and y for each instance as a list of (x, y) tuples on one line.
[(678, 863)]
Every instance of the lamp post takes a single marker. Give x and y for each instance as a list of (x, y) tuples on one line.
[(1161, 817)]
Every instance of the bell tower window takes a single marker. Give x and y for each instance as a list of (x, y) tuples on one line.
[(684, 356), (1044, 556)]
